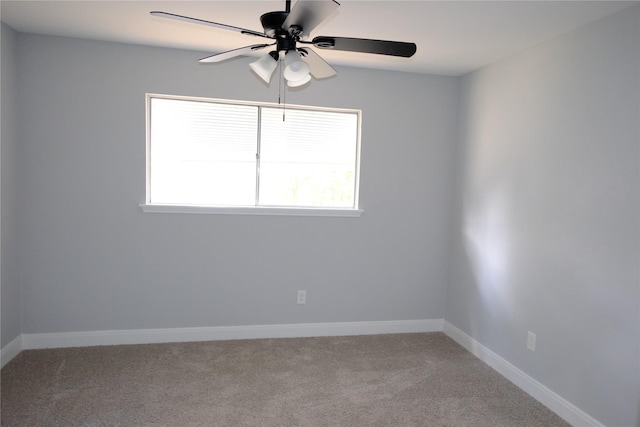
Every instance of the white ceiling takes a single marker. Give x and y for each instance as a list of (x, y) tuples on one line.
[(453, 37)]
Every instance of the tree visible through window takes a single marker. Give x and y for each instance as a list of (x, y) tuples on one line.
[(216, 153)]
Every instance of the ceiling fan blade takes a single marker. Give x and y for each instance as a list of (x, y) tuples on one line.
[(307, 14), (318, 67), (209, 23), (218, 57), (380, 47)]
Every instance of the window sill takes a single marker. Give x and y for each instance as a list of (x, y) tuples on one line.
[(239, 210)]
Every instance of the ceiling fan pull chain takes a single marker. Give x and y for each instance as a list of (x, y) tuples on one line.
[(282, 89), (284, 100), (279, 81)]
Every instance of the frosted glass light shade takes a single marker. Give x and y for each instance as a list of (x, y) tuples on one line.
[(295, 68), (264, 67), (299, 82)]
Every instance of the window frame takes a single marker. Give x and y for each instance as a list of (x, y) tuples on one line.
[(149, 207)]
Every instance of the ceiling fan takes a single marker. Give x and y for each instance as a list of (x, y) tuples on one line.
[(289, 29)]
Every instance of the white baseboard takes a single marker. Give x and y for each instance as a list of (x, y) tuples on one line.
[(148, 336), (10, 350), (565, 409)]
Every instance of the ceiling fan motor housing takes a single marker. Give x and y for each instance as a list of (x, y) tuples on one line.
[(285, 43), (272, 23)]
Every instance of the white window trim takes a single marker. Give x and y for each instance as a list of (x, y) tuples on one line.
[(149, 207), (250, 210)]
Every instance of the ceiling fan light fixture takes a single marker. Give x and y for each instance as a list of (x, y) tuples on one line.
[(298, 83), (264, 66), (295, 68)]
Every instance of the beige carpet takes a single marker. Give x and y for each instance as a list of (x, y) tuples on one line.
[(382, 380)]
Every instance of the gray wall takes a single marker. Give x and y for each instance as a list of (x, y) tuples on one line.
[(9, 283), (547, 236), (91, 260)]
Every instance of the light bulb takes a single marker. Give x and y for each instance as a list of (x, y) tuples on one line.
[(295, 68)]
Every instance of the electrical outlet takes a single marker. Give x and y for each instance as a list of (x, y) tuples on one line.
[(531, 341), (302, 297)]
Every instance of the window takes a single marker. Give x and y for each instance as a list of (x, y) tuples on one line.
[(214, 153)]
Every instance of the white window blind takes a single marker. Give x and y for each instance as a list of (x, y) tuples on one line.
[(212, 153), (308, 159)]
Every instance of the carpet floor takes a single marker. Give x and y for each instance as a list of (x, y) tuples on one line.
[(379, 380)]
